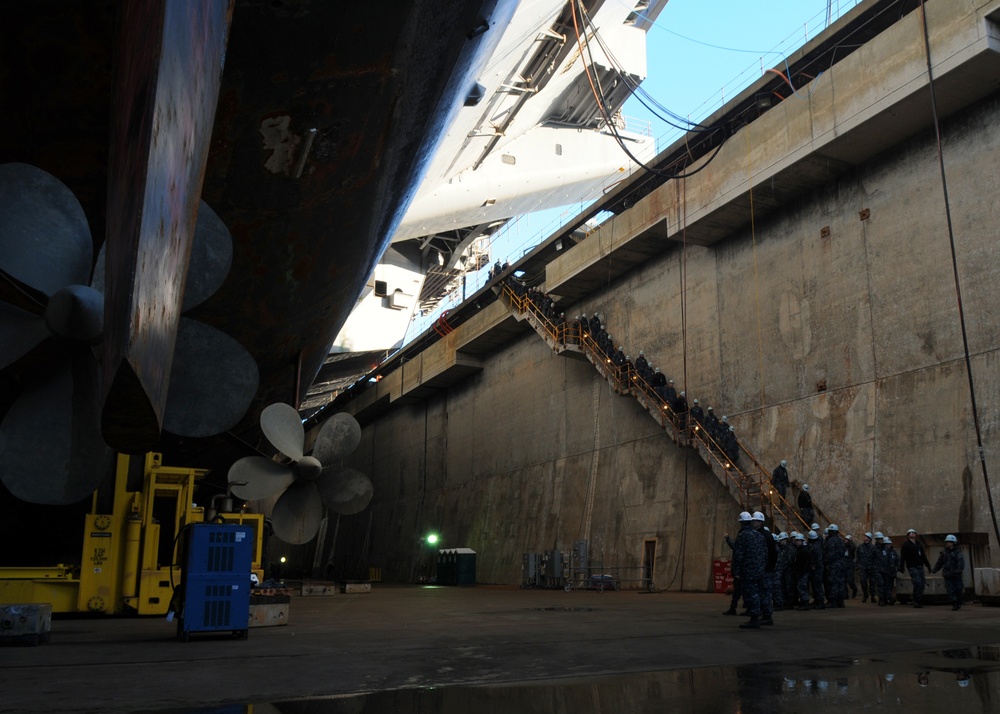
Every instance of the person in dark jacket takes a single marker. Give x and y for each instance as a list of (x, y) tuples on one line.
[(712, 425), (802, 569), (887, 560), (595, 323), (680, 407), (779, 591), (731, 445), (816, 570), (833, 560), (749, 562), (914, 559), (805, 503), (866, 569), (779, 477), (952, 562), (850, 554), (766, 592), (697, 413)]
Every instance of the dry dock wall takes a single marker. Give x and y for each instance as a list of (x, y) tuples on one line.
[(827, 329)]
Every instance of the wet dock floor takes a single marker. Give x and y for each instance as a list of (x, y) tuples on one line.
[(491, 649), (964, 681)]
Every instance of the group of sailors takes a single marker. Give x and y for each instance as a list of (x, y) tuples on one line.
[(718, 434), (782, 571), (715, 432), (772, 571)]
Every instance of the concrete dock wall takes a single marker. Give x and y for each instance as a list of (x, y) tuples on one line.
[(826, 327)]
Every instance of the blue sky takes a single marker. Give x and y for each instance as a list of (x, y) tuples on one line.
[(699, 54)]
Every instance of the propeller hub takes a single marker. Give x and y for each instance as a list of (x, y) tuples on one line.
[(76, 312), (308, 468)]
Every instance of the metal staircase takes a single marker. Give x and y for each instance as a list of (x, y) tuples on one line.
[(746, 479)]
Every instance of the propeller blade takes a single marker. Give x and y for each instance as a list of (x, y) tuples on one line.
[(254, 477), (20, 331), (213, 379), (51, 450), (44, 236), (298, 512), (337, 439), (282, 426), (211, 257), (345, 491)]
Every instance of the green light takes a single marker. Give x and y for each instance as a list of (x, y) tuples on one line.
[(432, 538)]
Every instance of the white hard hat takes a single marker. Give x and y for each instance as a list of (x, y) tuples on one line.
[(878, 534), (695, 401), (774, 535), (815, 526), (910, 531), (849, 536), (710, 409), (867, 534), (784, 463), (798, 536), (745, 516), (950, 539), (833, 527), (805, 487), (813, 535), (725, 418), (732, 428), (682, 394), (782, 536), (670, 381), (887, 541)]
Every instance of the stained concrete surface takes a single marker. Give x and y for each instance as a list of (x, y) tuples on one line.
[(410, 648)]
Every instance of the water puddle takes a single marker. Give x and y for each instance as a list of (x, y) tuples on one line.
[(961, 680)]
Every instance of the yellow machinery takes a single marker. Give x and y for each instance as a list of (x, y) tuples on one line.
[(127, 563)]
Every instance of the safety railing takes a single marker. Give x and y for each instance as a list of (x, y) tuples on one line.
[(746, 477)]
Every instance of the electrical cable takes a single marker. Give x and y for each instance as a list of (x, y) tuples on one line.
[(607, 118), (954, 266)]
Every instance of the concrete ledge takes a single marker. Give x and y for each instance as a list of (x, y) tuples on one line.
[(314, 589), (355, 587), (272, 613)]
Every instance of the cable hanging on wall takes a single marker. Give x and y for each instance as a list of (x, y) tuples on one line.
[(954, 266)]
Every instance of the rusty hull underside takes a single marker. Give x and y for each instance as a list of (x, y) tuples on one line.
[(326, 115)]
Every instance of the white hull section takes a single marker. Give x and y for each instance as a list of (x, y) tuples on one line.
[(545, 168)]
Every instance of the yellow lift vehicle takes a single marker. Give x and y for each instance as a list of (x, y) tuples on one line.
[(127, 563)]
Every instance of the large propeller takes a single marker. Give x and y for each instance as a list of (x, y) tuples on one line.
[(51, 324), (309, 482), (51, 449)]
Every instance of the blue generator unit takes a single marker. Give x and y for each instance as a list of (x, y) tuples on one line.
[(215, 580)]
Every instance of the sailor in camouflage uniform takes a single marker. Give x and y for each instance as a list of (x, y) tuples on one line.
[(866, 569), (952, 562), (887, 560), (780, 589), (834, 557), (766, 591), (815, 546), (749, 561)]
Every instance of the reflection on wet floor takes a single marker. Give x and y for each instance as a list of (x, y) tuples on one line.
[(961, 681)]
